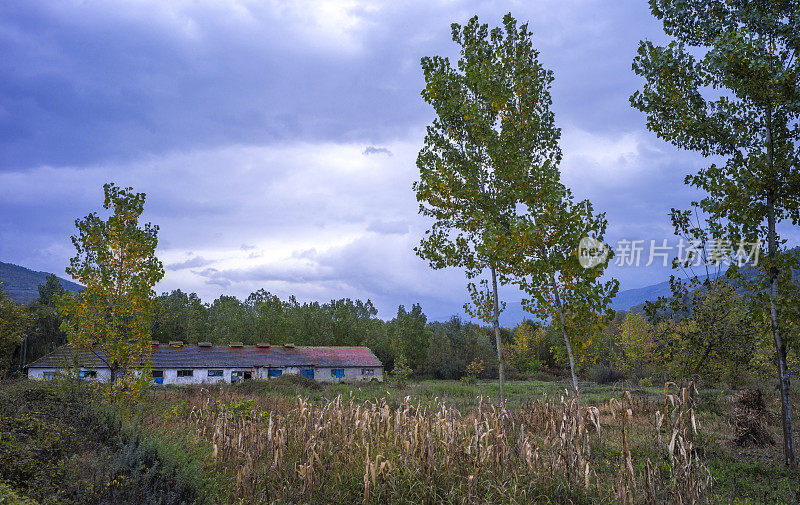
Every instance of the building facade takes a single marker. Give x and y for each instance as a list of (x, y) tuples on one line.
[(176, 363)]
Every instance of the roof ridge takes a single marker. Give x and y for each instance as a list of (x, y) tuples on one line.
[(165, 355)]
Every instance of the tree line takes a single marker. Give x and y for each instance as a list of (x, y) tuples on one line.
[(719, 342)]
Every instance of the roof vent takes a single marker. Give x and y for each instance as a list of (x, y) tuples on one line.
[(235, 344), (289, 346), (263, 345), (204, 344), (176, 343)]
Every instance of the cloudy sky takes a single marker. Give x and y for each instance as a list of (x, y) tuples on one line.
[(276, 141)]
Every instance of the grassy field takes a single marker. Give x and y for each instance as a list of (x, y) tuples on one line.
[(297, 441), (242, 414)]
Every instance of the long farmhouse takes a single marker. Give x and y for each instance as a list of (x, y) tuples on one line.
[(176, 363)]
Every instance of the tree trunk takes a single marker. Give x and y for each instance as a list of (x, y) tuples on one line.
[(23, 355), (567, 340), (498, 342), (702, 359), (780, 345)]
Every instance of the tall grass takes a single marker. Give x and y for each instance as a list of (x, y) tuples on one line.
[(350, 451)]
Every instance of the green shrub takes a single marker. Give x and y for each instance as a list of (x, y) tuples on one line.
[(143, 476), (401, 371), (60, 446), (602, 374), (9, 497)]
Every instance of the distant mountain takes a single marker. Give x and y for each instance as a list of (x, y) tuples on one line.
[(22, 283), (632, 297), (625, 300)]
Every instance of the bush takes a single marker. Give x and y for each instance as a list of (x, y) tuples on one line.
[(401, 371), (474, 370), (142, 476), (603, 374), (59, 444), (9, 497)]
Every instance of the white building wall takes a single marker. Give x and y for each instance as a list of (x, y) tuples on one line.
[(200, 375), (103, 374), (323, 374)]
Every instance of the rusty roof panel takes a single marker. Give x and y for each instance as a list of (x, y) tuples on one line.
[(188, 356)]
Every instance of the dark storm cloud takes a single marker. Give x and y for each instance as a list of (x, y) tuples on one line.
[(84, 82), (280, 138)]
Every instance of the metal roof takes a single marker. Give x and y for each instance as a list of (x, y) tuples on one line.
[(165, 356)]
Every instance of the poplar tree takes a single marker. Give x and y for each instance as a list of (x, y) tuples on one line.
[(727, 86), (116, 262), (493, 141), (559, 259)]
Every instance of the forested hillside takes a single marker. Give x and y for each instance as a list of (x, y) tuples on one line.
[(22, 284)]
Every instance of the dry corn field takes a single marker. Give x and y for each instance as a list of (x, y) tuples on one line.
[(546, 451)]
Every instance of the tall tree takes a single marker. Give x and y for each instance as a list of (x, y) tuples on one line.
[(230, 321), (728, 85), (45, 332), (14, 321), (272, 322), (492, 140), (116, 262), (410, 335), (560, 259)]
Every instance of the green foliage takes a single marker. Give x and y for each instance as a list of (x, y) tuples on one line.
[(455, 344), (529, 348), (489, 178), (603, 374), (14, 322), (636, 346), (401, 371), (475, 162), (180, 316), (116, 262), (558, 287), (410, 335), (474, 370), (9, 497), (150, 471), (59, 446), (728, 86), (492, 143), (45, 333)]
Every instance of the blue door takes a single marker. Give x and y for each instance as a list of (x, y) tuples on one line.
[(307, 373), (274, 373)]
